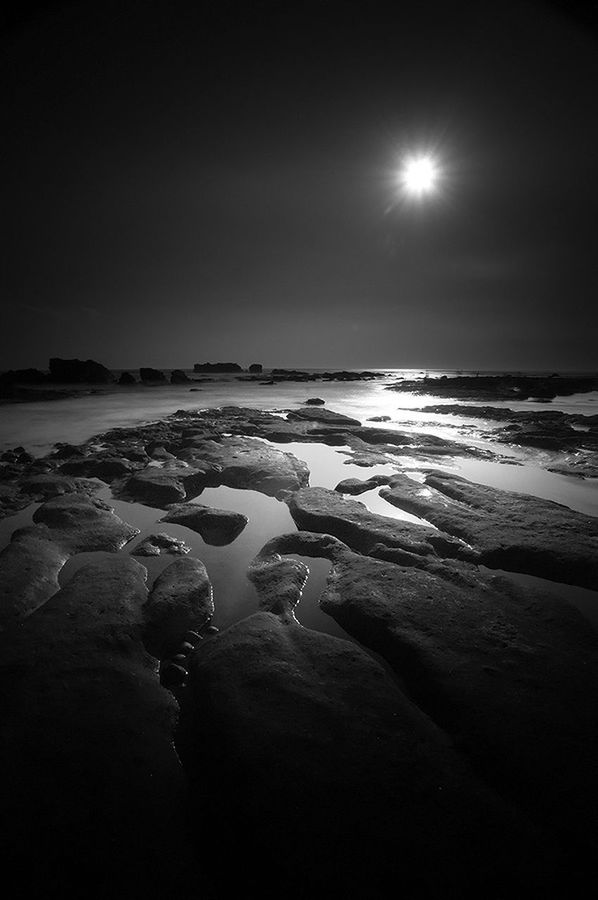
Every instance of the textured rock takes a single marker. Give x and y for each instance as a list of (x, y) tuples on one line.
[(162, 486), (302, 743), (511, 531), (29, 568), (152, 376), (78, 523), (325, 511), (92, 785), (156, 544), (511, 674), (247, 463), (322, 416), (217, 527), (181, 599), (356, 486), (104, 467), (498, 387), (47, 485)]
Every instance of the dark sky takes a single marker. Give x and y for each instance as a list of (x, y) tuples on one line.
[(213, 182)]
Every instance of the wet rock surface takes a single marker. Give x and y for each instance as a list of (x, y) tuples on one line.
[(327, 512), (94, 791), (217, 527), (510, 674), (302, 740), (156, 544), (181, 599), (499, 387), (511, 531)]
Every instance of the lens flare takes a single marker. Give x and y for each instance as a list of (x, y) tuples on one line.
[(419, 175)]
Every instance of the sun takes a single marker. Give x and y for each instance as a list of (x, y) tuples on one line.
[(419, 175)]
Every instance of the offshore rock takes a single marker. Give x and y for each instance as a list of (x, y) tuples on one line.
[(303, 740), (217, 367), (180, 600), (511, 531), (510, 673), (499, 387), (217, 527), (325, 511), (177, 376), (92, 781), (76, 371), (152, 376)]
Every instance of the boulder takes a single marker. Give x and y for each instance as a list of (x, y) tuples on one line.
[(177, 376), (510, 530), (152, 376), (356, 486), (255, 369), (76, 371), (315, 401), (127, 378), (217, 527), (160, 487), (180, 600)]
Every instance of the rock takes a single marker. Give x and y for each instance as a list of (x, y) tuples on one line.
[(255, 369), (179, 377), (105, 468), (152, 376), (324, 416), (315, 401), (22, 376), (356, 486), (217, 367), (155, 544), (247, 463), (511, 674), (303, 740), (379, 419), (92, 780), (217, 527), (181, 599), (76, 371), (47, 485), (127, 378), (511, 531), (498, 387), (77, 523), (327, 512), (29, 568), (161, 487)]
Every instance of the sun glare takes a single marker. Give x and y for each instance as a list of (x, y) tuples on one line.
[(419, 175)]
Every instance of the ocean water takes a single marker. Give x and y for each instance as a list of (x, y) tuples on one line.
[(38, 426)]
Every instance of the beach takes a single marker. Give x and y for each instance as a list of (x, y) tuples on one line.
[(331, 600)]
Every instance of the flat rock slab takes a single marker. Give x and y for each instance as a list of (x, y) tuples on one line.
[(78, 523), (160, 487), (248, 464), (512, 531), (181, 599), (301, 744), (29, 568), (217, 527), (93, 789), (322, 416), (328, 512), (510, 674)]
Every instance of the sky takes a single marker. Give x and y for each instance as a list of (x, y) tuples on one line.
[(219, 182)]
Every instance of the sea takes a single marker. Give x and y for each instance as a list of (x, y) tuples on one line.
[(38, 426)]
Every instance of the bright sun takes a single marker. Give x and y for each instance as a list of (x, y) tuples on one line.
[(419, 175)]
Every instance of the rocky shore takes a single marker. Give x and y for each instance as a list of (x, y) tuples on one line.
[(445, 746)]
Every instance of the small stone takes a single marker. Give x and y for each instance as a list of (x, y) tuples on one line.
[(192, 637), (186, 647), (173, 675)]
